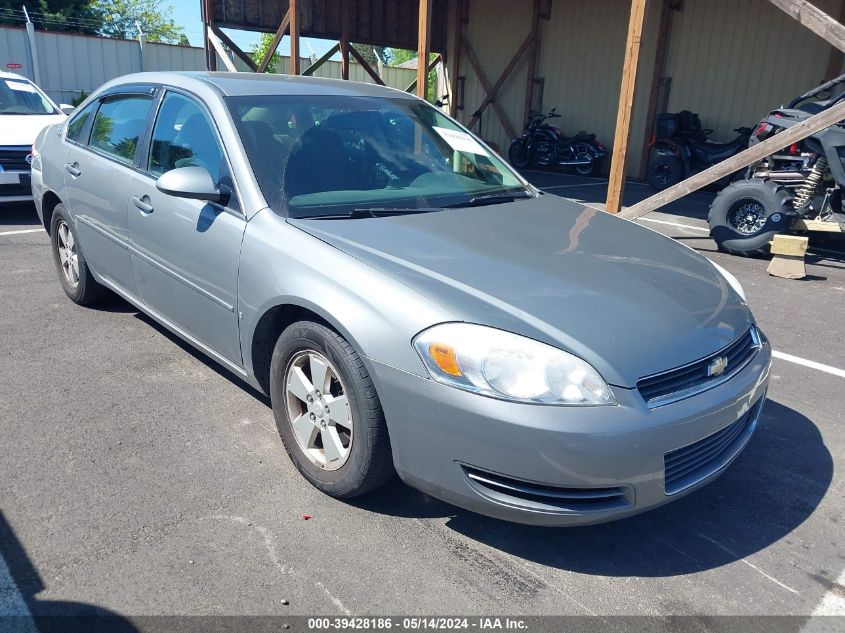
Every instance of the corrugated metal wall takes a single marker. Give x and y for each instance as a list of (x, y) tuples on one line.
[(71, 64), (729, 60), (732, 61)]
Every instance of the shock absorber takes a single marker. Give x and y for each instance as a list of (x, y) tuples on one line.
[(804, 193)]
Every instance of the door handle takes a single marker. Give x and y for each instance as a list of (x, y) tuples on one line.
[(143, 204), (73, 169)]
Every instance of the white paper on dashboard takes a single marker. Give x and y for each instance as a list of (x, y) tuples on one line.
[(461, 141), (20, 86)]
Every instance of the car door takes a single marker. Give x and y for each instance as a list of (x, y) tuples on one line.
[(185, 252), (99, 166)]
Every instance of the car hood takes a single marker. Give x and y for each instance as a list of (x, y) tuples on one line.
[(22, 129), (623, 297)]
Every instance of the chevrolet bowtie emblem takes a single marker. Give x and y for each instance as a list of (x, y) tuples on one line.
[(717, 366)]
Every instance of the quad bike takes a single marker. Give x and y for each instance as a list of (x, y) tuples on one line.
[(802, 190), (680, 148), (546, 145)]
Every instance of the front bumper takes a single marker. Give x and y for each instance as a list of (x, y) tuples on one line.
[(15, 186), (551, 465)]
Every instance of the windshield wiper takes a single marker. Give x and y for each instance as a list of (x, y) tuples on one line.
[(375, 212), (492, 198)]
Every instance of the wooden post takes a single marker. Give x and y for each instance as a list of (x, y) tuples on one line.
[(455, 57), (661, 57), (294, 37), (345, 18), (797, 132), (423, 47), (246, 59), (210, 51), (436, 60), (531, 71), (836, 58), (626, 101), (277, 38), (221, 51), (814, 19)]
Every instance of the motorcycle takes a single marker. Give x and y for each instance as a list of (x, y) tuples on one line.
[(546, 145), (680, 148), (779, 195)]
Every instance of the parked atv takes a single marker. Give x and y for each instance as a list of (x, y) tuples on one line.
[(680, 149), (543, 144), (746, 215)]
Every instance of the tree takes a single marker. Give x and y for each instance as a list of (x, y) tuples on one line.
[(76, 16), (260, 50), (119, 18)]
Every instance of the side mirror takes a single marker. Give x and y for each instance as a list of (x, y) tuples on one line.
[(190, 182), (66, 108)]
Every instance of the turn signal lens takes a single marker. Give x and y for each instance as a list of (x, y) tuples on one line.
[(444, 357)]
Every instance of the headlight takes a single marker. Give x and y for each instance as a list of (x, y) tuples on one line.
[(503, 365), (733, 281)]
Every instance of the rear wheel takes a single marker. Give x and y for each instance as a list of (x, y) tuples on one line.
[(747, 214), (518, 154), (74, 275), (327, 411), (590, 168), (664, 171)]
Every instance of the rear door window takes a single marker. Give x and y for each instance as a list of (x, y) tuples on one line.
[(76, 127), (118, 126)]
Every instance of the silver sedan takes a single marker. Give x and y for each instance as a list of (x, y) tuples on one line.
[(410, 303)]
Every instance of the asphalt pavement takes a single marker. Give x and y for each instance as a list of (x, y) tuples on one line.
[(139, 478)]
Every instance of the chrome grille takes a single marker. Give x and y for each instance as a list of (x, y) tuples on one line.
[(14, 158), (687, 466), (688, 380), (542, 496)]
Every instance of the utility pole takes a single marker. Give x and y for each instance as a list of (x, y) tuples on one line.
[(33, 50)]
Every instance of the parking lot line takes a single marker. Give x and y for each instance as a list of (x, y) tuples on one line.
[(677, 224), (809, 363), (21, 232)]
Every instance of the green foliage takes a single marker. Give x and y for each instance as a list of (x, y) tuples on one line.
[(119, 17), (75, 16), (396, 56), (77, 100), (260, 50)]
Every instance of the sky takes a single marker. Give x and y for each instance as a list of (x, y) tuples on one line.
[(186, 13)]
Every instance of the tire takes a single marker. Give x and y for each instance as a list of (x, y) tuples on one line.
[(747, 214), (518, 154), (591, 169), (366, 462), (76, 280), (664, 171)]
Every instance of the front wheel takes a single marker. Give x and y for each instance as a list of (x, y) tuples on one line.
[(327, 411), (664, 171), (518, 154), (747, 214)]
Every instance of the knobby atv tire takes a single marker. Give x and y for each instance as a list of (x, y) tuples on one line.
[(779, 214)]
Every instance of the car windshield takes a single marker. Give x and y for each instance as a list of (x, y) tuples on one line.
[(18, 96), (319, 156)]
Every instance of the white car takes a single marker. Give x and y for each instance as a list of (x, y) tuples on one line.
[(24, 111)]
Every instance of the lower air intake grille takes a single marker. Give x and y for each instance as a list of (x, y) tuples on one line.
[(687, 466), (544, 497)]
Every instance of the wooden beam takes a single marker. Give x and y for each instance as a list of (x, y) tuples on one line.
[(423, 47), (626, 102), (294, 37), (532, 60), (435, 60), (836, 58), (345, 19), (494, 89), (246, 59), (322, 60), (455, 55), (787, 137), (277, 39), (221, 51), (485, 84), (208, 18), (661, 57), (369, 69), (814, 19)]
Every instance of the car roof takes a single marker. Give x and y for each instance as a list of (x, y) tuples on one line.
[(6, 75), (248, 83)]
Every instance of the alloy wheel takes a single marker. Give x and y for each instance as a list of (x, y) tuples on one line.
[(318, 410), (747, 216), (68, 258)]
